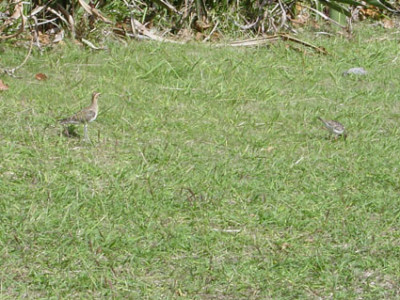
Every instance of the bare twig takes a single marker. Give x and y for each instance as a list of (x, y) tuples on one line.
[(36, 10), (211, 33), (93, 11), (325, 17), (287, 37), (90, 44), (144, 31), (266, 40), (71, 22), (36, 32), (133, 28), (283, 15), (11, 72), (252, 42), (58, 15), (247, 27), (15, 16), (168, 6), (187, 8)]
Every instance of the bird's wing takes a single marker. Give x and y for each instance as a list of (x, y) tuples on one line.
[(71, 120), (89, 115), (337, 125)]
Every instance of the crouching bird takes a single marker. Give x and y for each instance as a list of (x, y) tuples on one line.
[(85, 116), (334, 128)]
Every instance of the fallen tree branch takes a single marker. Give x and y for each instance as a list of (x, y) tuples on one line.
[(287, 37), (252, 42), (266, 40)]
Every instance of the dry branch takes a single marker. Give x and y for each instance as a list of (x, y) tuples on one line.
[(147, 33), (94, 11), (15, 16), (266, 40), (325, 17), (252, 42), (36, 10), (246, 27), (211, 33), (287, 37), (168, 6), (58, 15), (13, 70), (91, 45), (71, 22)]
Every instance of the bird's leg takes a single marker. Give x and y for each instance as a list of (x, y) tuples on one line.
[(85, 132)]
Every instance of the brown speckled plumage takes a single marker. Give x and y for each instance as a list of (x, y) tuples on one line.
[(86, 115), (334, 127)]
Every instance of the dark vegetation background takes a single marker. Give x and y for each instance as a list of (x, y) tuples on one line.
[(50, 21)]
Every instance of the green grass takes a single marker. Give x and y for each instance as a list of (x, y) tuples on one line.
[(208, 175)]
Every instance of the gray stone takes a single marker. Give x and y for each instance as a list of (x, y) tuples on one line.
[(355, 71)]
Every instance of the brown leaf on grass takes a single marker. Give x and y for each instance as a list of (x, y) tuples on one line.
[(199, 36), (371, 12), (3, 86), (388, 23), (285, 246), (40, 76), (200, 26)]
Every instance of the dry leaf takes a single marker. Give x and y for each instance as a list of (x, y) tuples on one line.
[(199, 36), (40, 76), (3, 87), (44, 39), (59, 37), (371, 12), (201, 26), (285, 246), (388, 24)]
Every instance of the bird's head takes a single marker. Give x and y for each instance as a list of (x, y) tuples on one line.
[(95, 96)]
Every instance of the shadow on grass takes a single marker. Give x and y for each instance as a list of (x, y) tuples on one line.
[(70, 132)]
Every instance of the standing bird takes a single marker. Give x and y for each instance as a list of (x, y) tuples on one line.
[(85, 116), (334, 127)]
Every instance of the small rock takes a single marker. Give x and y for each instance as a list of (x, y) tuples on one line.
[(355, 71)]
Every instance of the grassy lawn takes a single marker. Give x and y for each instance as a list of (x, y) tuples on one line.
[(208, 175)]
